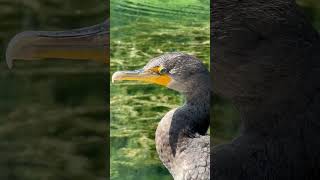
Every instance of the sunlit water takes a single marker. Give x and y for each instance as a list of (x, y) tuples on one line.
[(141, 30)]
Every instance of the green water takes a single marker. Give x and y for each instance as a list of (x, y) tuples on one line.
[(141, 30)]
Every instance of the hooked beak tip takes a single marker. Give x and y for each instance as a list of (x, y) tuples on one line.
[(117, 76), (9, 62), (8, 57)]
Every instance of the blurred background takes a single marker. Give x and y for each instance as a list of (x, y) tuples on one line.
[(312, 11), (226, 119), (53, 114)]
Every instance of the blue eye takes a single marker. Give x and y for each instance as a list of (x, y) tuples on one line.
[(162, 70)]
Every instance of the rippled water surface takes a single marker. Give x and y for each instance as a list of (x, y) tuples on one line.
[(141, 30)]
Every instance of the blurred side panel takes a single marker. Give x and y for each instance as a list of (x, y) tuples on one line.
[(53, 113)]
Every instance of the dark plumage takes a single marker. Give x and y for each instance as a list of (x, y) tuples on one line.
[(266, 60), (181, 140)]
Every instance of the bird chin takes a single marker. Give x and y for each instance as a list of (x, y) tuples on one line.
[(174, 85)]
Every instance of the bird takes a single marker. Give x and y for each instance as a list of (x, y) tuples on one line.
[(88, 43), (266, 62), (181, 137)]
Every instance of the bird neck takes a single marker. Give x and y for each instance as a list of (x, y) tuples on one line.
[(197, 107), (180, 125)]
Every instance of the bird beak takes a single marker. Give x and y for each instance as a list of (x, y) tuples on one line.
[(142, 75), (90, 43)]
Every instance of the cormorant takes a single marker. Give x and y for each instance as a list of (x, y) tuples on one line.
[(89, 43), (266, 61), (181, 140)]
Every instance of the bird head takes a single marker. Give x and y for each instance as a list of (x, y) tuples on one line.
[(177, 71), (90, 43)]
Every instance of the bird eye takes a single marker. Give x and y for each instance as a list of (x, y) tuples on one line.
[(162, 70)]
